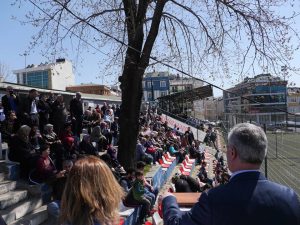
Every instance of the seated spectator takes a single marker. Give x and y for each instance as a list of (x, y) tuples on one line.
[(195, 153), (138, 193), (179, 154), (96, 116), (181, 185), (202, 175), (68, 139), (141, 154), (99, 138), (172, 150), (151, 149), (127, 181), (86, 146), (150, 192), (195, 184), (146, 131), (58, 186), (91, 201), (113, 153), (106, 132), (184, 140), (35, 137), (115, 130), (56, 147), (108, 117), (9, 126), (45, 168), (20, 150), (118, 171)]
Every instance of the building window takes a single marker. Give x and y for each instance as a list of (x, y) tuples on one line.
[(163, 83), (175, 89), (163, 93), (149, 84), (36, 79), (293, 99), (24, 78)]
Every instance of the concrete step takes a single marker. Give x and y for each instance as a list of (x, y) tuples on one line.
[(43, 190), (7, 185), (36, 217), (2, 176), (19, 210), (12, 197), (12, 169)]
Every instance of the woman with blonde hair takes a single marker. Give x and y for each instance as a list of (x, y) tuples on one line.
[(92, 194)]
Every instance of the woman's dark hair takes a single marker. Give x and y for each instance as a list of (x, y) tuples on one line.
[(140, 164), (44, 147)]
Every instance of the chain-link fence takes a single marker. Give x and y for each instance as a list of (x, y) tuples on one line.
[(283, 158), (282, 164)]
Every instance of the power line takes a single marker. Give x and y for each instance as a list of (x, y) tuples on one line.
[(138, 51), (63, 26)]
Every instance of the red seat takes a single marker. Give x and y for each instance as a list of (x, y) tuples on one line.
[(189, 160), (162, 164), (167, 158), (183, 172), (186, 165), (166, 161), (170, 157)]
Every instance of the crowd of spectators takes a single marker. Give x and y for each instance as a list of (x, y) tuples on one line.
[(47, 136)]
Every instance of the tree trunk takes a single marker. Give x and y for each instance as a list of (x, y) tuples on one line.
[(131, 86)]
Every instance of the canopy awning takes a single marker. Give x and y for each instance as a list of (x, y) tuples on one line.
[(189, 95)]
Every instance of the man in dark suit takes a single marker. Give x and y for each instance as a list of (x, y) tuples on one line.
[(76, 111), (249, 198), (10, 101)]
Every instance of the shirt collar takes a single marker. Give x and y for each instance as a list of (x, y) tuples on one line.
[(241, 171)]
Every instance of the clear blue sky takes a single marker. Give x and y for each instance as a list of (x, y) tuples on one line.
[(15, 39)]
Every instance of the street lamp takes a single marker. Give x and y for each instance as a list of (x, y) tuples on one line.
[(25, 54)]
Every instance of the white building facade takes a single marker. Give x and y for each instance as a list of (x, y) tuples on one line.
[(55, 76)]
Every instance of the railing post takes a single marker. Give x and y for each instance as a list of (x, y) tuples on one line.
[(266, 158), (276, 143)]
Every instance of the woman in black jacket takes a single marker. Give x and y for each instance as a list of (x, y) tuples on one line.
[(20, 150)]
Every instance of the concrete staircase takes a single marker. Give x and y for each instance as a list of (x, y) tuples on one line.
[(20, 203)]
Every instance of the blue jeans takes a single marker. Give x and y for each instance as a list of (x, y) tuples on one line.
[(151, 195), (53, 209)]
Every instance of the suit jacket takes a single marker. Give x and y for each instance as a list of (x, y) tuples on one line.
[(248, 199)]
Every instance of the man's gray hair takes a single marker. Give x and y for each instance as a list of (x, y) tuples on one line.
[(250, 142)]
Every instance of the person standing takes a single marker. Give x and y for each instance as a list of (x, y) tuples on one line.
[(10, 101), (190, 135), (44, 111), (59, 114), (76, 111), (248, 198), (29, 111)]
